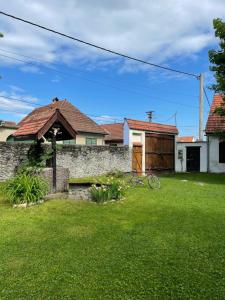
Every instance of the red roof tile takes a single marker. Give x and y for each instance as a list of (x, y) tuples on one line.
[(115, 131), (153, 127), (215, 122), (185, 139), (36, 120)]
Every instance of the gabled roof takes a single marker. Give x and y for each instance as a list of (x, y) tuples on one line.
[(115, 131), (215, 122), (152, 127), (8, 124), (186, 139), (39, 117)]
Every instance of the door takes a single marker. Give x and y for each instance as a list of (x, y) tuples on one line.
[(159, 152), (137, 159), (193, 159)]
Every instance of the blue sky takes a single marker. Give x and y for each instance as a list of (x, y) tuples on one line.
[(104, 86)]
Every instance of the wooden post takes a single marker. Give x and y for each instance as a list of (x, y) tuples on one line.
[(54, 163)]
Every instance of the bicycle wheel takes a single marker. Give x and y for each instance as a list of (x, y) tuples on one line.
[(153, 182)]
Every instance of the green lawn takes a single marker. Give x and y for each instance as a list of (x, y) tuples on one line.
[(161, 244)]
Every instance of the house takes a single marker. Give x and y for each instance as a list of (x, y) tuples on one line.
[(216, 145), (7, 128), (205, 156), (186, 139), (115, 134), (74, 126), (191, 156), (153, 145)]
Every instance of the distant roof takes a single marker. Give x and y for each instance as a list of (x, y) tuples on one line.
[(8, 124), (215, 122), (185, 139), (39, 117), (115, 131), (153, 127)]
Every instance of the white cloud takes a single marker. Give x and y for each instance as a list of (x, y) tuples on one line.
[(16, 107), (154, 30)]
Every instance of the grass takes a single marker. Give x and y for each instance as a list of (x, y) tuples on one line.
[(158, 244)]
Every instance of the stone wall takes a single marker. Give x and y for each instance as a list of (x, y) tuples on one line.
[(85, 161), (80, 160), (11, 156)]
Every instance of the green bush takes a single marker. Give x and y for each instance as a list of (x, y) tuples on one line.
[(113, 189), (116, 174), (24, 188)]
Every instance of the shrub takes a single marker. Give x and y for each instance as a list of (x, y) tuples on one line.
[(113, 190), (24, 188), (116, 174)]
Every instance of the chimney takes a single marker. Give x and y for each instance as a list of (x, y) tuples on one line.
[(55, 100), (150, 115)]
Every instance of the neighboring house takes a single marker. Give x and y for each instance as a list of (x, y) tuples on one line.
[(74, 126), (186, 139), (153, 145), (7, 128), (115, 134), (216, 150), (191, 156)]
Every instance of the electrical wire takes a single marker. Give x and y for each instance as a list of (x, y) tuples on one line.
[(206, 96), (94, 81), (98, 47), (41, 61)]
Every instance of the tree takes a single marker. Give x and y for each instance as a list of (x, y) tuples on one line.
[(217, 59)]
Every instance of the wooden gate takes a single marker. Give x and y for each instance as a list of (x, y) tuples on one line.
[(159, 152), (137, 159)]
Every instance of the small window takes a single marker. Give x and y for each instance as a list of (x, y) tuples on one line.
[(69, 142), (222, 152), (91, 141)]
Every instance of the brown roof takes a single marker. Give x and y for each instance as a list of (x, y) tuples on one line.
[(115, 131), (185, 139), (8, 124), (215, 122), (153, 127), (39, 117)]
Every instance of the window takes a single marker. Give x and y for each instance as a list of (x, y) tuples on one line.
[(222, 152), (91, 141), (69, 142)]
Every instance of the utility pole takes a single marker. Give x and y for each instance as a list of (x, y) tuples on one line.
[(201, 95), (150, 115)]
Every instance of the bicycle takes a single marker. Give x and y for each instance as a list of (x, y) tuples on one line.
[(152, 180)]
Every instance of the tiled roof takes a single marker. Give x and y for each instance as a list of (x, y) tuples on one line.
[(153, 127), (8, 124), (36, 120), (115, 131), (185, 139), (215, 122)]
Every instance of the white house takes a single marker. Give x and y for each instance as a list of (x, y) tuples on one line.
[(204, 156), (216, 145)]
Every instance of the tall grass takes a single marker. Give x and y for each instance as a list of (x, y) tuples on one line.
[(24, 188)]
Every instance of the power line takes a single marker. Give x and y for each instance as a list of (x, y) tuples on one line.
[(206, 96), (98, 82), (98, 47), (80, 71), (19, 99)]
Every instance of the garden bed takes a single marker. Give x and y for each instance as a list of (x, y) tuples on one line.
[(81, 190)]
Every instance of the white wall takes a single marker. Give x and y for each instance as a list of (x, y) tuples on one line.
[(180, 165), (135, 136), (5, 133), (214, 165)]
